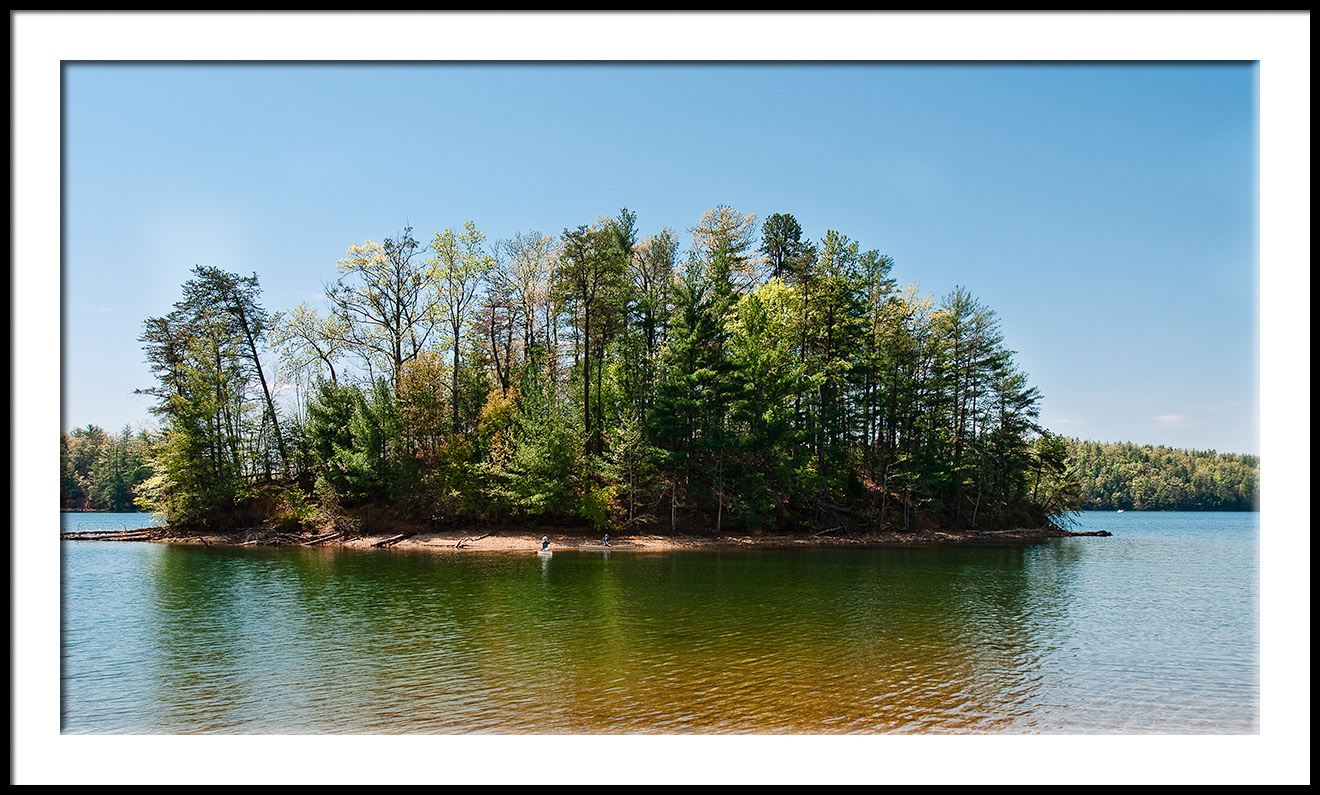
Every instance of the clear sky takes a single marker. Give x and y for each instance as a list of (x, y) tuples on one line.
[(1106, 212)]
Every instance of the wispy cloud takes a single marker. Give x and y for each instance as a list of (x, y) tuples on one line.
[(1170, 418)]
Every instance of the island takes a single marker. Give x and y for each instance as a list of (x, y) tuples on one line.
[(753, 389)]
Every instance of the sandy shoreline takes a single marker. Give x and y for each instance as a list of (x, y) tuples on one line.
[(476, 539)]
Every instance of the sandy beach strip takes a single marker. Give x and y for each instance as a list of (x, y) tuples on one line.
[(478, 539)]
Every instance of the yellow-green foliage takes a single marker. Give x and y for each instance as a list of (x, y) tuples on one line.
[(295, 511), (600, 507)]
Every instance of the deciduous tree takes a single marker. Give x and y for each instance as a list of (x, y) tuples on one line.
[(384, 303), (457, 270)]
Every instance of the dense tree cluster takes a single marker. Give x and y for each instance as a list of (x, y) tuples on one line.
[(752, 380), (100, 471), (1156, 478)]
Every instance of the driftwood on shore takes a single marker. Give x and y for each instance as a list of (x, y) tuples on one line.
[(278, 538), (830, 530), (321, 539), (140, 534), (272, 539), (392, 540), (462, 542)]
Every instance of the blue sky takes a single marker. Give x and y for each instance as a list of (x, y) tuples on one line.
[(1106, 212)]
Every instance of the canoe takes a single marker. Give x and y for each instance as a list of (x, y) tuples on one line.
[(607, 548), (545, 553)]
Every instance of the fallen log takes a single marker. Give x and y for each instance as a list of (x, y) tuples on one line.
[(831, 507), (392, 540), (463, 541), (324, 538), (253, 536), (79, 534), (831, 530), (112, 535), (640, 520)]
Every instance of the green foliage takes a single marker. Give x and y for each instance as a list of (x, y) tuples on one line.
[(422, 404), (600, 507), (368, 464), (457, 271), (188, 487), (329, 413), (589, 281), (295, 512), (535, 463), (100, 471), (1125, 476), (453, 486), (220, 429), (634, 465), (330, 511), (359, 441), (764, 469), (383, 306), (697, 388), (605, 378), (786, 253), (1056, 484)]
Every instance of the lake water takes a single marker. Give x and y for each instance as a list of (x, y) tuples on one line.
[(1154, 630)]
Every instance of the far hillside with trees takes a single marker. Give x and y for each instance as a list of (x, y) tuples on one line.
[(101, 471), (1126, 476)]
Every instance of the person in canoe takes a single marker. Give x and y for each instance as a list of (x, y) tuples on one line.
[(545, 542), (605, 541)]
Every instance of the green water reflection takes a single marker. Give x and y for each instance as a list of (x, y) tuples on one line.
[(342, 640), (1153, 633)]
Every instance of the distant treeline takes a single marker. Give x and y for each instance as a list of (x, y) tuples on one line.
[(1156, 478), (99, 471)]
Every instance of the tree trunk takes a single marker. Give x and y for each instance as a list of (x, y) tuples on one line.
[(270, 404), (453, 397), (586, 373)]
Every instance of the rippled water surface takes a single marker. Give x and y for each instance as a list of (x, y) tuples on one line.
[(1151, 631)]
